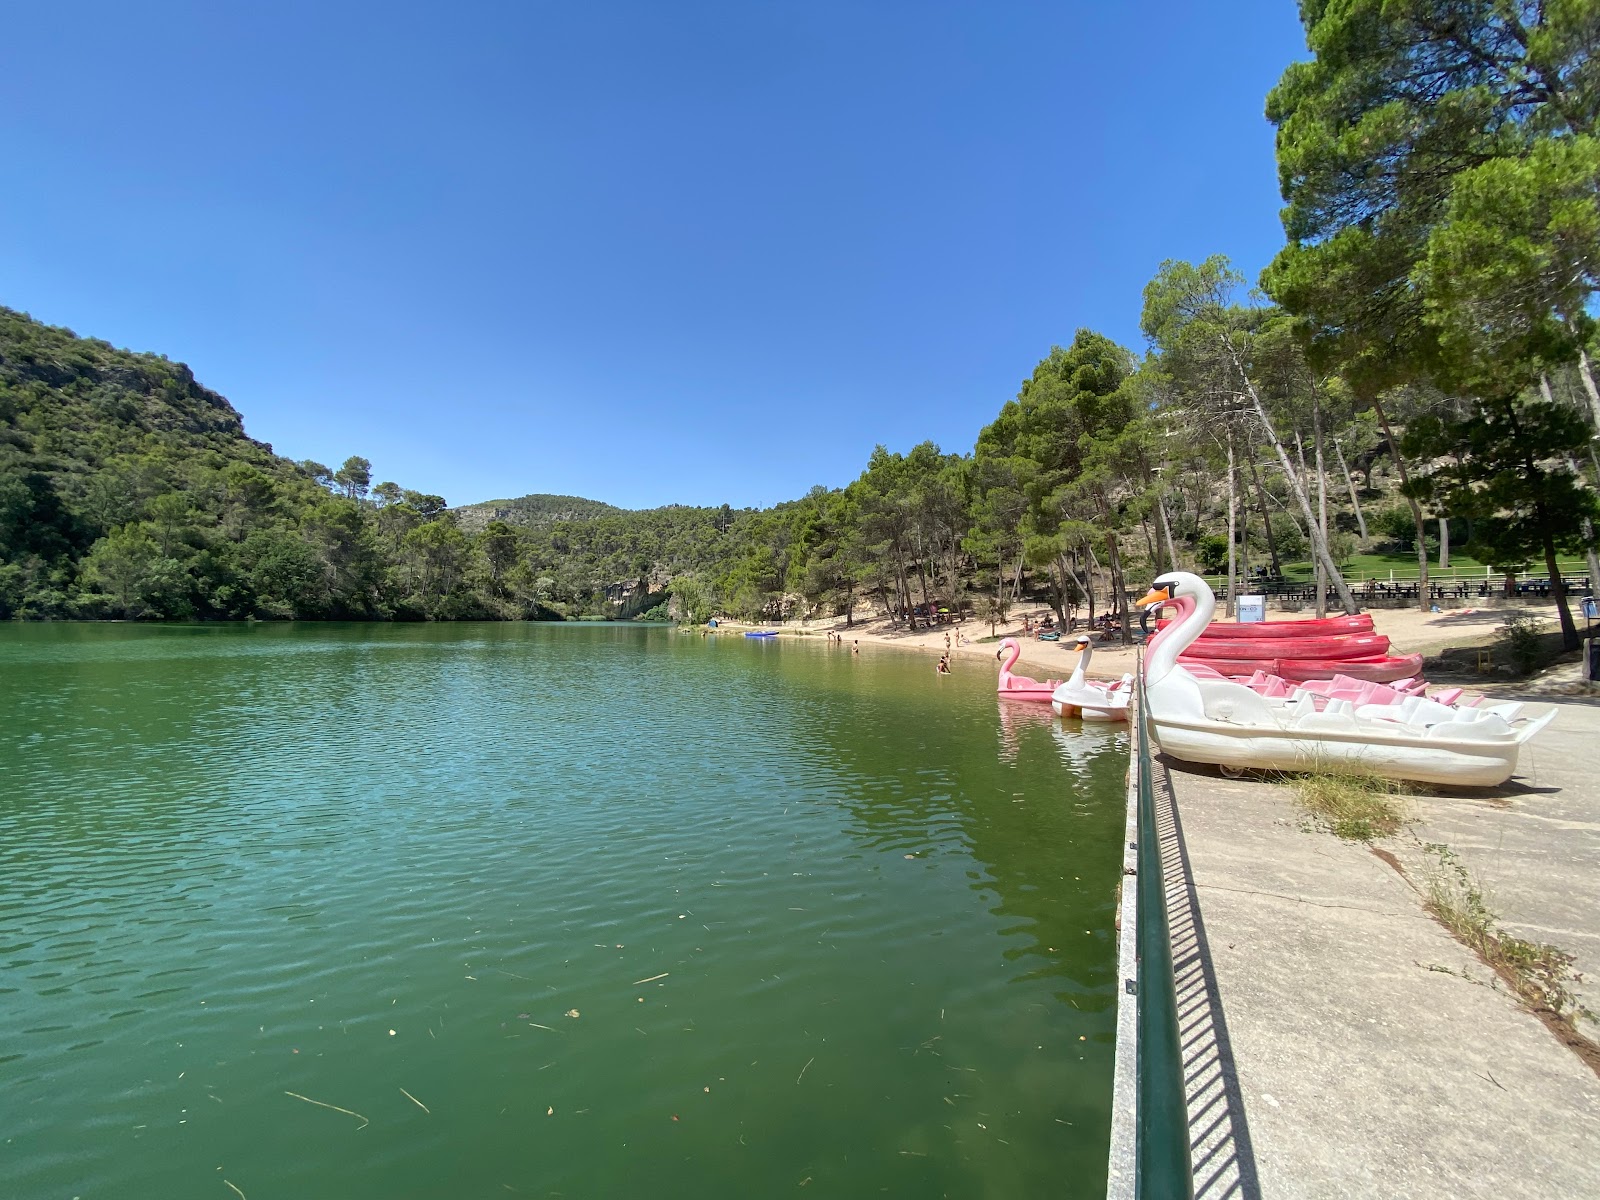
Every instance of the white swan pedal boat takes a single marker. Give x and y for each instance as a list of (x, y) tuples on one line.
[(1220, 721), (1079, 697)]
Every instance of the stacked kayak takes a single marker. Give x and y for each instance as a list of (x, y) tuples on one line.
[(1301, 650)]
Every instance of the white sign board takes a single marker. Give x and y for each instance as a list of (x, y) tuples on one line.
[(1252, 609)]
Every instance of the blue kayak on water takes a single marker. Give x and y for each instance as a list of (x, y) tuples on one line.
[(761, 633)]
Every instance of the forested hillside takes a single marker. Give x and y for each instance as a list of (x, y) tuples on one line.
[(1421, 367), (129, 490)]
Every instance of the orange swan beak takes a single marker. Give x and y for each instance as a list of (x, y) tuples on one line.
[(1153, 596)]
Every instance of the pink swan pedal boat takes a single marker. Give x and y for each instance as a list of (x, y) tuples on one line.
[(1091, 701), (1220, 721), (1020, 687)]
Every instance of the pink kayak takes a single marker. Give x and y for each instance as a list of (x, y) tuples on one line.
[(1326, 627), (1370, 645)]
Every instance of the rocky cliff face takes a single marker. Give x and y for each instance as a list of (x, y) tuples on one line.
[(533, 511)]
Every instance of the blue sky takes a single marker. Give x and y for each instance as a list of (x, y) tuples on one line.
[(646, 253)]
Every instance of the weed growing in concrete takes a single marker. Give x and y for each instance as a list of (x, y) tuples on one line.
[(1541, 975), (1354, 806)]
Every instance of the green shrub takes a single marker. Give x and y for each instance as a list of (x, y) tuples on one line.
[(1519, 638)]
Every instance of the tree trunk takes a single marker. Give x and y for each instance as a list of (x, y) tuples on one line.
[(1322, 496), (1416, 509), (1080, 582), (1119, 586), (1266, 516), (1355, 500), (1558, 592), (1095, 570), (903, 586), (1444, 543), (1319, 543), (1233, 560), (1586, 374), (1166, 531), (1588, 539), (957, 596), (1088, 575), (1244, 552), (1150, 543)]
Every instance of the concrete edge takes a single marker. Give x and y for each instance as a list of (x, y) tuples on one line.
[(1122, 1161)]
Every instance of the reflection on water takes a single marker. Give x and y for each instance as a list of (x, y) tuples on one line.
[(640, 909), (1082, 743)]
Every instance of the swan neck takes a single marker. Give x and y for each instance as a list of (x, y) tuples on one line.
[(1195, 615)]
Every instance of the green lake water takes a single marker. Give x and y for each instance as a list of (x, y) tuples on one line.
[(629, 911)]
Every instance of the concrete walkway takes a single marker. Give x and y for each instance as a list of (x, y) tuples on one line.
[(1338, 1041)]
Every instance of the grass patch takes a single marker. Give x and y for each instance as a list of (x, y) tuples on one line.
[(1539, 974), (1378, 563), (1356, 807)]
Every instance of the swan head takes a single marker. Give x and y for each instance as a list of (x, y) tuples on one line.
[(1171, 585), (1157, 595)]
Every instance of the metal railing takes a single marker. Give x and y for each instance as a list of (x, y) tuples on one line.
[(1574, 570), (1161, 1151)]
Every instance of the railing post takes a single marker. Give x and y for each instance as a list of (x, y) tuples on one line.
[(1163, 1170)]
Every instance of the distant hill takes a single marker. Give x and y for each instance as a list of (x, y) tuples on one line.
[(532, 512), (89, 435), (127, 489)]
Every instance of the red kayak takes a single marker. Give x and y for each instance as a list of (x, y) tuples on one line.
[(1378, 669), (1327, 627), (1368, 645)]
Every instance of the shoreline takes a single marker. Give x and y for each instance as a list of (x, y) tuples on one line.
[(1410, 630)]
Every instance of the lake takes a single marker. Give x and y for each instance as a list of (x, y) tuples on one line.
[(507, 909)]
